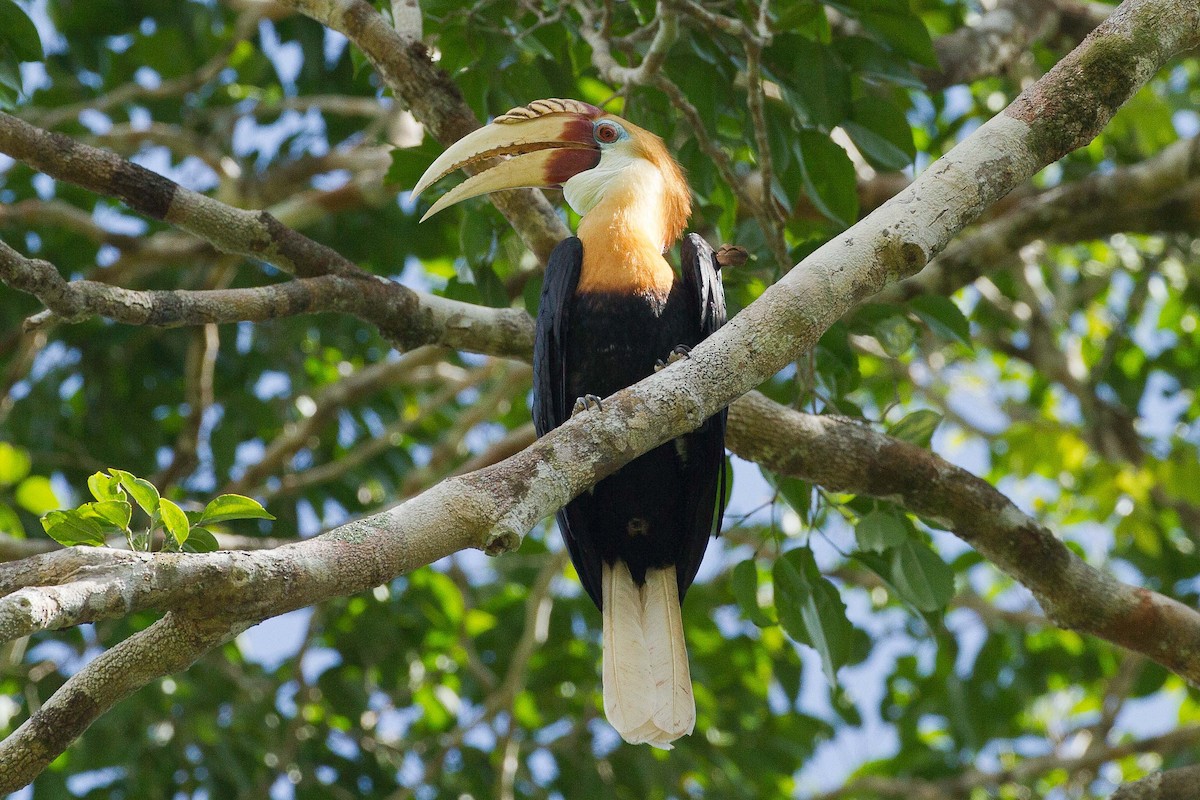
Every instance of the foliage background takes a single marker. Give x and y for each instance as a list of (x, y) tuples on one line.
[(1058, 364)]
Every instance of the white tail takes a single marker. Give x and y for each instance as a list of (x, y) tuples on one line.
[(647, 684)]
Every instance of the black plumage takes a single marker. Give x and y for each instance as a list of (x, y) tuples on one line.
[(660, 509)]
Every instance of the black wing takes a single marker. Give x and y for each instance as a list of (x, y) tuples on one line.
[(551, 405), (550, 338), (706, 446)]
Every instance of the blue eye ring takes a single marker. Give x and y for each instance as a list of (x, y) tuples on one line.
[(606, 132)]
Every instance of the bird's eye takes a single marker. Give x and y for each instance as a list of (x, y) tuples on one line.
[(607, 132)]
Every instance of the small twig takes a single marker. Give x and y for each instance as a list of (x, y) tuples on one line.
[(325, 406), (245, 26), (595, 34), (537, 620), (718, 22), (293, 482), (450, 443), (696, 125), (771, 217)]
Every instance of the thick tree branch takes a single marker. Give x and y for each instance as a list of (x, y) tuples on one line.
[(1002, 35), (1153, 195), (256, 235), (412, 318), (1022, 772), (852, 458), (385, 303), (1174, 784), (493, 508), (169, 645), (436, 102)]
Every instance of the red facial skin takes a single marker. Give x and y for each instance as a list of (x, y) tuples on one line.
[(565, 164)]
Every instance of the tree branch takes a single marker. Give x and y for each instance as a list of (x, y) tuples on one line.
[(385, 303), (852, 458), (169, 645), (646, 72), (1026, 770), (326, 405), (1174, 784), (1002, 35), (494, 507), (436, 102), (1099, 205)]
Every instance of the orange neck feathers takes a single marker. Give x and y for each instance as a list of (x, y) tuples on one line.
[(639, 207)]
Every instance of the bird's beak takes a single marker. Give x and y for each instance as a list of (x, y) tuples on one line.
[(549, 142)]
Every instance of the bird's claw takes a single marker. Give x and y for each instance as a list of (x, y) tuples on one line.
[(585, 403), (678, 353)]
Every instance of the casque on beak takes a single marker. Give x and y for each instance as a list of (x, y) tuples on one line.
[(550, 141)]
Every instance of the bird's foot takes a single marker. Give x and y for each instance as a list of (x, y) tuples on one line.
[(585, 403), (678, 353)]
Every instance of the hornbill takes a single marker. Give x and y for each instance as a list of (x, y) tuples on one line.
[(611, 309)]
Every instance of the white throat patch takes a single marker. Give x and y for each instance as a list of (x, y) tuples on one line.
[(617, 170)]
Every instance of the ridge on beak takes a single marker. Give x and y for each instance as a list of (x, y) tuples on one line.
[(549, 142)]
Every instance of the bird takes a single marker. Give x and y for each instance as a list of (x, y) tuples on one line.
[(612, 312)]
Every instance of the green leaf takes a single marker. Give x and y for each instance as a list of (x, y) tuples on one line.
[(201, 540), (820, 83), (139, 489), (879, 530), (903, 30), (801, 15), (867, 57), (174, 520), (475, 237), (111, 514), (895, 335), (811, 610), (35, 495), (921, 577), (917, 427), (881, 132), (106, 487), (943, 317), (744, 583), (10, 523), (10, 72), (461, 291), (796, 493), (233, 506), (1144, 123), (14, 464), (491, 289), (409, 163), (70, 528), (19, 32), (359, 60), (829, 179)]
